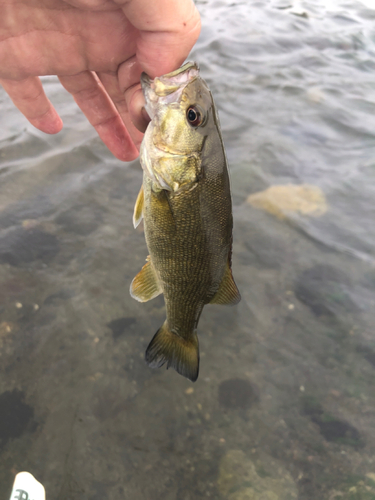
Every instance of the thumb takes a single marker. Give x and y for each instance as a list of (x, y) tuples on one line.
[(168, 29)]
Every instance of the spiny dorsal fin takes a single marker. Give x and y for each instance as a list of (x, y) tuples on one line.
[(145, 286), (138, 208), (179, 353), (228, 292)]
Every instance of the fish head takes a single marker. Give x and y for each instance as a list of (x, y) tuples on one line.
[(181, 109)]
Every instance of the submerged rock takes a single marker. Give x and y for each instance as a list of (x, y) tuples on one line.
[(6, 329), (16, 417), (330, 427), (81, 219), (357, 487), (325, 290), (120, 325), (243, 479), (283, 201), (20, 245), (237, 393)]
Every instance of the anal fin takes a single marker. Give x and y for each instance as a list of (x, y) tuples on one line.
[(145, 286), (228, 293)]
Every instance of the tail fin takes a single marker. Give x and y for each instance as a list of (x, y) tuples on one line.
[(181, 354)]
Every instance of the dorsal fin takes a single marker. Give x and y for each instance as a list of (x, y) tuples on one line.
[(228, 292), (138, 208), (145, 286)]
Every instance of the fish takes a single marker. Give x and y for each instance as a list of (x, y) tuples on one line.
[(185, 203)]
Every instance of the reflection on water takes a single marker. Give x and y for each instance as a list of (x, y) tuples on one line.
[(284, 406)]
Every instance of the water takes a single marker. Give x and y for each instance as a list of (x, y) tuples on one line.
[(284, 406)]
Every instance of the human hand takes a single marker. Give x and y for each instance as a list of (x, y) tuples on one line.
[(98, 49)]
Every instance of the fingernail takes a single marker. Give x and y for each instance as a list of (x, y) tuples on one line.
[(142, 121), (145, 115)]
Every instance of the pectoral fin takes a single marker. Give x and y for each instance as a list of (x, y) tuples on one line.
[(145, 286), (138, 208), (228, 292)]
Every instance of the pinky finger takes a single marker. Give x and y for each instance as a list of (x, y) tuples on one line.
[(29, 97)]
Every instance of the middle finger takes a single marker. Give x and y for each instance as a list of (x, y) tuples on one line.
[(92, 98)]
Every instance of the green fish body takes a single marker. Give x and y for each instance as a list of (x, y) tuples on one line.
[(186, 206)]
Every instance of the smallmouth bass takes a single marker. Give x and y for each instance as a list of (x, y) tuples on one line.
[(186, 206)]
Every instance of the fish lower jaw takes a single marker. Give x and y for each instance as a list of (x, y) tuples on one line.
[(162, 150)]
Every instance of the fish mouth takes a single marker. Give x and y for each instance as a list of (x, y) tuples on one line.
[(162, 87), (170, 82)]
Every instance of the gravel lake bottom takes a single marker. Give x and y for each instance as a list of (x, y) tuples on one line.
[(284, 407)]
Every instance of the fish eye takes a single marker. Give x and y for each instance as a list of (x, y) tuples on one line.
[(194, 116)]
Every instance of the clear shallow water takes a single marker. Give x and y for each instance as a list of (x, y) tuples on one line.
[(284, 407)]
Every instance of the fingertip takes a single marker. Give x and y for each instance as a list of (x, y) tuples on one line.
[(117, 139), (129, 74), (49, 123), (145, 116)]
